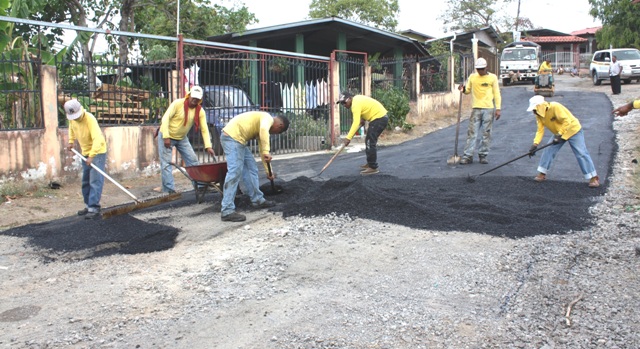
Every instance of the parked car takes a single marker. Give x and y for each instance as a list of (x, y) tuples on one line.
[(629, 59), (222, 103)]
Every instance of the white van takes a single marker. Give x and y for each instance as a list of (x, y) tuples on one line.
[(629, 59)]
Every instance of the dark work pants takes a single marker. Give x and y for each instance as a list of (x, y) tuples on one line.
[(371, 140), (615, 84)]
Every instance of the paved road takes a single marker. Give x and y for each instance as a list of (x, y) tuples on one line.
[(416, 188), (513, 135)]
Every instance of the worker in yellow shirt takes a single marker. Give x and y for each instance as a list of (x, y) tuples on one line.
[(625, 109), (545, 69), (486, 103), (84, 128), (364, 108), (176, 123), (241, 164), (565, 128)]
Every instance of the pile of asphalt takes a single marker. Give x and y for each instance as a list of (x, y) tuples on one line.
[(512, 207), (122, 234)]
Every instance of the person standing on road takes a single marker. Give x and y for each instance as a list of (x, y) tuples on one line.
[(486, 102), (364, 108), (84, 128), (241, 165), (615, 69), (176, 123), (565, 128), (625, 109)]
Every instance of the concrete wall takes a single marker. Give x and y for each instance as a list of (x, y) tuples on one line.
[(41, 155), (436, 101)]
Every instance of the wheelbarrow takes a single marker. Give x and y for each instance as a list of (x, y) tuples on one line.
[(205, 177)]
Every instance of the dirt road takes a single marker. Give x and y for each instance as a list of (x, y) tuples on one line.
[(439, 263)]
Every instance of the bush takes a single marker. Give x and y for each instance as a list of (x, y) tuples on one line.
[(396, 101)]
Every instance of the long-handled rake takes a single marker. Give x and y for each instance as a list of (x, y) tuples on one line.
[(472, 179)]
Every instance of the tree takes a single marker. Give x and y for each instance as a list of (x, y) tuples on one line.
[(463, 15), (620, 22), (377, 13), (198, 20)]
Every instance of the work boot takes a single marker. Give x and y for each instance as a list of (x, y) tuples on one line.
[(369, 171), (264, 204), (234, 217), (594, 182), (92, 215), (483, 160), (465, 161), (364, 167), (83, 212), (541, 177)]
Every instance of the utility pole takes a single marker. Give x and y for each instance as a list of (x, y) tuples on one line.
[(518, 16)]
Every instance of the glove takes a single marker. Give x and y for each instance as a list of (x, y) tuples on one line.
[(557, 139), (532, 150)]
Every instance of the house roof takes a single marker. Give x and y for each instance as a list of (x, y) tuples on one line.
[(555, 39), (542, 32), (417, 35), (587, 31), (464, 39), (321, 37)]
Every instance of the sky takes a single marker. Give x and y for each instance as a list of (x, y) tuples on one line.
[(422, 16)]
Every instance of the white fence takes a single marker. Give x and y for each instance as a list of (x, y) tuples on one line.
[(567, 59)]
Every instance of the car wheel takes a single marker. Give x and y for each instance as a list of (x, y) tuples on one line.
[(505, 82), (627, 81), (596, 81)]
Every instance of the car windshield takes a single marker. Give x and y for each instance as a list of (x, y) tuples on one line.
[(226, 98), (522, 54), (627, 55)]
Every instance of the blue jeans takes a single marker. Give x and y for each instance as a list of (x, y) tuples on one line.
[(241, 165), (481, 119), (579, 150), (186, 152), (92, 183)]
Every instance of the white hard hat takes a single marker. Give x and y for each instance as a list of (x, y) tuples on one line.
[(481, 63), (534, 101), (73, 109)]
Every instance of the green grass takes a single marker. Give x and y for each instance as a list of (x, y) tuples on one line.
[(15, 189)]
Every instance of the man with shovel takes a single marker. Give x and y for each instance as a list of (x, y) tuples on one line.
[(565, 128), (176, 123), (84, 128), (486, 103), (364, 108), (240, 162)]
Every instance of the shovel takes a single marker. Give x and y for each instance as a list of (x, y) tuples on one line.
[(331, 160), (118, 210), (274, 189), (472, 179), (455, 158)]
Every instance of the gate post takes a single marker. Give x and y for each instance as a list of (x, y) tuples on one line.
[(51, 149), (334, 92)]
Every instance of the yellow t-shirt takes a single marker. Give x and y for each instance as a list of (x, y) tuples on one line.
[(364, 107), (173, 125), (558, 119), (485, 91), (86, 130), (251, 125)]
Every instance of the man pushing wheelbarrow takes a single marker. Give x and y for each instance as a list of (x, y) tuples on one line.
[(240, 162)]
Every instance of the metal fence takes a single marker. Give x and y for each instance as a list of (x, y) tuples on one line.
[(20, 95)]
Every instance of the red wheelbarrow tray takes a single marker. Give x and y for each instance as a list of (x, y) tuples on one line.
[(208, 173)]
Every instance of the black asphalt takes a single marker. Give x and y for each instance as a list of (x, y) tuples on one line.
[(416, 188)]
